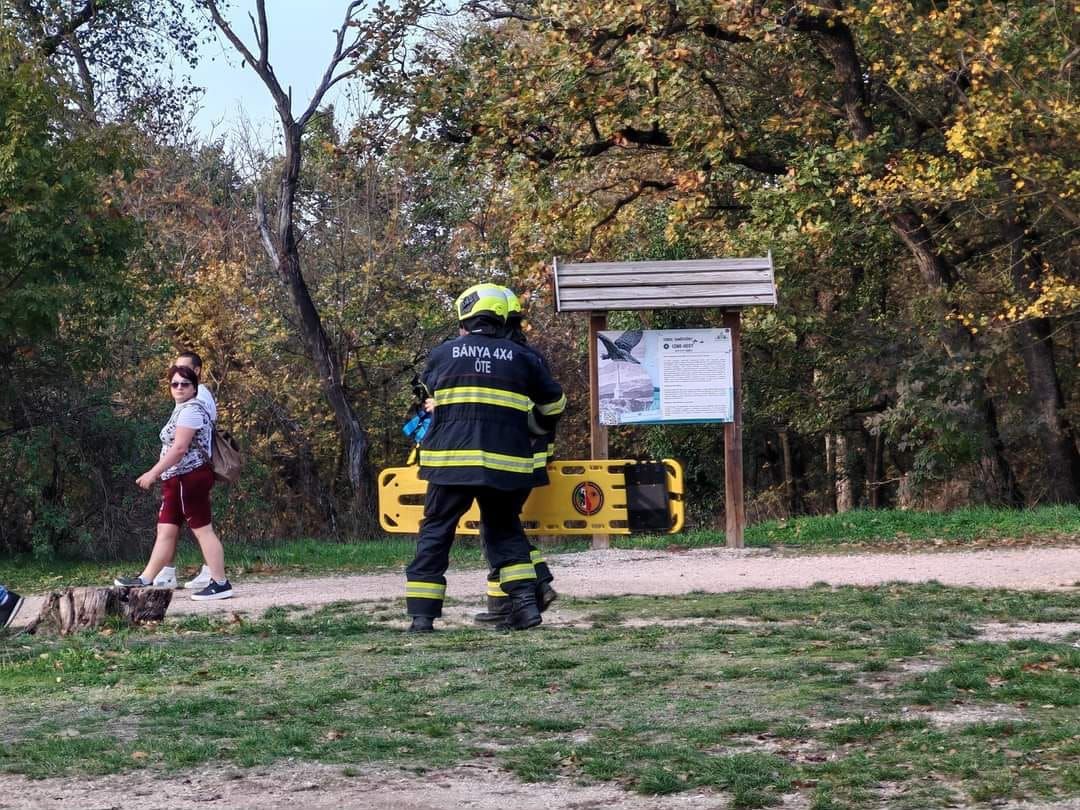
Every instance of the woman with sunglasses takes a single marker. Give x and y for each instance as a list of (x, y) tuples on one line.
[(187, 478)]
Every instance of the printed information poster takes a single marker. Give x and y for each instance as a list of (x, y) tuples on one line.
[(665, 376)]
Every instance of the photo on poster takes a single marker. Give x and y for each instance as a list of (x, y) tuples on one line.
[(665, 376)]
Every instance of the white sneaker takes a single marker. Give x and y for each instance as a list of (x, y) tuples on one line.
[(200, 581), (165, 579)]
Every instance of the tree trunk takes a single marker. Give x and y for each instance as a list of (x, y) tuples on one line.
[(1001, 484), (875, 468), (1048, 406), (830, 473), (281, 243), (1036, 345), (73, 609), (791, 488), (286, 256), (905, 496), (838, 45), (845, 494)]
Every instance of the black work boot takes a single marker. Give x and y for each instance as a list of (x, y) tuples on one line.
[(545, 595), (524, 612), (498, 610), (422, 624)]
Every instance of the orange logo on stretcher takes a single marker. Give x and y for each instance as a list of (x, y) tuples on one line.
[(587, 498)]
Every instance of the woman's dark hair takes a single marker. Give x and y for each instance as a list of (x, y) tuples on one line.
[(187, 372), (193, 357)]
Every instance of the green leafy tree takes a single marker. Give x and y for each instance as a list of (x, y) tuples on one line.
[(66, 291), (909, 122), (111, 57)]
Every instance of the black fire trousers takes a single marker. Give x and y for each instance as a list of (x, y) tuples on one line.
[(543, 572), (505, 544)]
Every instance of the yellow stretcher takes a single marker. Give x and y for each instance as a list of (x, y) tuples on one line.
[(612, 496)]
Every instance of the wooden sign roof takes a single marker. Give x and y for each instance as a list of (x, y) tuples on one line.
[(724, 283)]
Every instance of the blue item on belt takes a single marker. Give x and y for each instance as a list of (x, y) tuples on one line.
[(417, 427)]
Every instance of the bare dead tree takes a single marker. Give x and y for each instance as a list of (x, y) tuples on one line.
[(280, 235)]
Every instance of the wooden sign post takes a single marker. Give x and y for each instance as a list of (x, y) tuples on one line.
[(598, 437), (734, 504), (728, 284)]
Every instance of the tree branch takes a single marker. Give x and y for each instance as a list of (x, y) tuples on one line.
[(264, 229), (262, 35), (341, 53), (51, 43), (760, 162), (622, 202), (258, 63), (87, 102)]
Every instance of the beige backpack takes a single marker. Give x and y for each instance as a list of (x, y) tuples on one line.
[(226, 458)]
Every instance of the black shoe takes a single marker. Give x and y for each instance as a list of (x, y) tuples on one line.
[(545, 596), (215, 590), (10, 608), (524, 612), (498, 610), (491, 618), (422, 624), (131, 582)]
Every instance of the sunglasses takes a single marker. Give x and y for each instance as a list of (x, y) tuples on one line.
[(181, 384)]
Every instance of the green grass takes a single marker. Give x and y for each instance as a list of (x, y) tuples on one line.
[(885, 528), (897, 526), (820, 691)]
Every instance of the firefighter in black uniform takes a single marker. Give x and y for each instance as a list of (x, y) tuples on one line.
[(479, 448), (543, 442)]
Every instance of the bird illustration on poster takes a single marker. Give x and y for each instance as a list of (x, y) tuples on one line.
[(618, 351)]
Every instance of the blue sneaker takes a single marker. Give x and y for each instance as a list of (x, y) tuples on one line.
[(215, 590)]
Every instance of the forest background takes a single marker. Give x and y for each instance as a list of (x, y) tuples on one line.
[(912, 166)]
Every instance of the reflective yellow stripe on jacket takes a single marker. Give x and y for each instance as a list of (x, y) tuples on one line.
[(552, 408), (478, 395), (476, 458)]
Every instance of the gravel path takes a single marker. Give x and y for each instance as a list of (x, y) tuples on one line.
[(618, 572)]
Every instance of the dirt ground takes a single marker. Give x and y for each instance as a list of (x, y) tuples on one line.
[(328, 787), (618, 572), (482, 786), (324, 787)]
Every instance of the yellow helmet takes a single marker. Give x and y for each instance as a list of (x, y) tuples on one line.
[(481, 299), (513, 305)]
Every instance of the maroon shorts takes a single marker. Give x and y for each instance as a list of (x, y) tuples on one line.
[(187, 497)]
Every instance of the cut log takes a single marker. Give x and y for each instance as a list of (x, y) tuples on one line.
[(73, 609)]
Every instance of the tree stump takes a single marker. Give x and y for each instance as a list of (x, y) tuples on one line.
[(73, 609)]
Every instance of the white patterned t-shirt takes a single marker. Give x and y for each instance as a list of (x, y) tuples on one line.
[(190, 414)]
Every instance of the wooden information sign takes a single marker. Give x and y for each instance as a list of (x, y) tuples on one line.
[(728, 284)]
